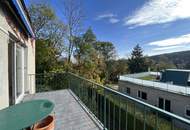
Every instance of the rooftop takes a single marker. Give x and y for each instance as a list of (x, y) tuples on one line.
[(68, 112), (181, 70)]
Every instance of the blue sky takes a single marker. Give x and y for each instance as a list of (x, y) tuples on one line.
[(159, 26)]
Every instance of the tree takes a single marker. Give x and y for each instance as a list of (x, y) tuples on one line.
[(50, 33), (73, 16), (116, 68), (137, 62), (46, 56), (47, 25), (107, 49), (40, 15), (88, 63), (89, 36)]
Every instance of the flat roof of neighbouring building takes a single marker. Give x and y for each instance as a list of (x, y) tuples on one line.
[(181, 70)]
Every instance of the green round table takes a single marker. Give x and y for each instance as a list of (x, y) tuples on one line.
[(23, 115)]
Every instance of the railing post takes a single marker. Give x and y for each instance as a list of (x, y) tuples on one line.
[(119, 113), (134, 123), (144, 118), (114, 114), (68, 81), (104, 109), (126, 116), (156, 120), (109, 115), (172, 125)]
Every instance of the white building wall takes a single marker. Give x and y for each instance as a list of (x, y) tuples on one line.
[(4, 93), (31, 68), (178, 101), (5, 29)]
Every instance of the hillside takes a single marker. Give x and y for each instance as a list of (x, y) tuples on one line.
[(180, 59)]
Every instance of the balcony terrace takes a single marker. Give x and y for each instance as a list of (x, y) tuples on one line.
[(68, 112), (83, 104)]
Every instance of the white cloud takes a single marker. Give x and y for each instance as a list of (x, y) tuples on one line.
[(109, 16), (180, 40), (103, 16), (166, 48), (113, 20), (159, 11)]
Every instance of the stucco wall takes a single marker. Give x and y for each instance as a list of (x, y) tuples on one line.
[(4, 96), (31, 68), (178, 101), (5, 30)]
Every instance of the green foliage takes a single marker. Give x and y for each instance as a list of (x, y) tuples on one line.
[(40, 15), (137, 62), (89, 63), (89, 36), (46, 56), (107, 49), (50, 34)]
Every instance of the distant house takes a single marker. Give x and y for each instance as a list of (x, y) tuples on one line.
[(169, 92), (176, 76), (17, 52)]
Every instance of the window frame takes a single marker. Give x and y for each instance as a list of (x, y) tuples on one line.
[(128, 90), (164, 103), (140, 93)]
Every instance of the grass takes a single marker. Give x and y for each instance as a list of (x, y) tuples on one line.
[(149, 77)]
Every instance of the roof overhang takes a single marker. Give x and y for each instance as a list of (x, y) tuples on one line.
[(23, 17)]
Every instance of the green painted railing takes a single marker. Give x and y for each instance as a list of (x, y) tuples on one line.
[(115, 111)]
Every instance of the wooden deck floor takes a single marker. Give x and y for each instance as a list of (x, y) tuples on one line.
[(68, 112)]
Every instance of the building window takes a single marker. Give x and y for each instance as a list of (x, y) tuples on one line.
[(128, 90), (161, 103), (142, 95), (139, 94), (187, 111), (167, 105), (164, 104)]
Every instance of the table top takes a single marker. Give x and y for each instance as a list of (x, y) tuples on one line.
[(24, 114)]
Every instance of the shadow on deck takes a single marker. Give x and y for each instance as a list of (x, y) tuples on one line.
[(68, 112)]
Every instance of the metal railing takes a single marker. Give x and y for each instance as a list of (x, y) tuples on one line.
[(115, 111)]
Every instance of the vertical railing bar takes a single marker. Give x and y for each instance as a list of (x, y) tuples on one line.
[(93, 98), (144, 117), (109, 114), (99, 107), (119, 113), (156, 120), (172, 127), (104, 109), (97, 98), (134, 116), (113, 113), (126, 109)]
